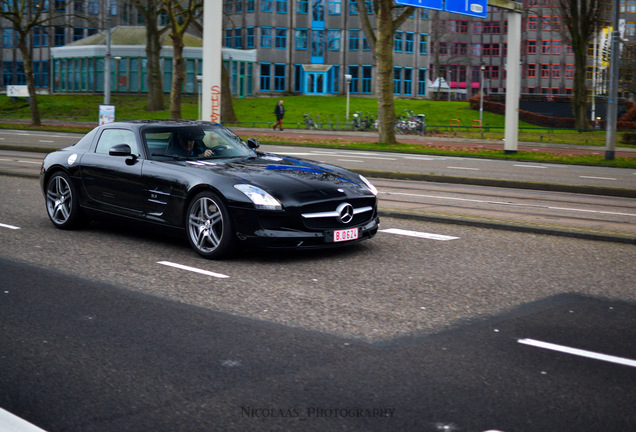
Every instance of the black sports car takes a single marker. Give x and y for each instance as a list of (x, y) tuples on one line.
[(202, 178)]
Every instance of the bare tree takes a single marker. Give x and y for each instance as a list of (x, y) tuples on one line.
[(181, 13), (24, 15), (150, 10), (389, 17), (581, 19)]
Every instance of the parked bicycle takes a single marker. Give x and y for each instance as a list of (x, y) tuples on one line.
[(309, 122), (410, 123), (364, 122)]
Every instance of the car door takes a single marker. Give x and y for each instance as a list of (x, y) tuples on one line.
[(114, 183)]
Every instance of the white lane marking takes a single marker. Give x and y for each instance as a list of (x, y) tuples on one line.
[(9, 226), (10, 422), (463, 168), (530, 166), (193, 269), (30, 162), (47, 141), (598, 178), (510, 204), (418, 234), (579, 352), (350, 160)]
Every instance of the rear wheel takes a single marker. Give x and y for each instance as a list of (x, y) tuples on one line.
[(209, 227), (62, 202)]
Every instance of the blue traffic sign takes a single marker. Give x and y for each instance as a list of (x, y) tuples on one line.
[(475, 8), (426, 4)]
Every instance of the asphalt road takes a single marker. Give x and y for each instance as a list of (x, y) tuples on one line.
[(427, 327)]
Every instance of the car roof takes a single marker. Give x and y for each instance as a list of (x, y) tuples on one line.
[(168, 123)]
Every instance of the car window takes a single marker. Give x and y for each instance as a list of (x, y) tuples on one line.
[(112, 137)]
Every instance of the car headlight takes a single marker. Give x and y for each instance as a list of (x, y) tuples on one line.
[(260, 198), (372, 188)]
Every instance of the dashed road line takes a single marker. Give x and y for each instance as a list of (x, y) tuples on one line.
[(9, 226), (418, 234), (578, 352), (193, 269), (598, 178)]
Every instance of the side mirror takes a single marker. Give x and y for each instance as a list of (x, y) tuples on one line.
[(120, 150), (253, 143)]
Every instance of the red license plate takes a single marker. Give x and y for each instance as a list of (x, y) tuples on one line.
[(345, 235)]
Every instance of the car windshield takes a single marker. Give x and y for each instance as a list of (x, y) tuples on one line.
[(199, 141)]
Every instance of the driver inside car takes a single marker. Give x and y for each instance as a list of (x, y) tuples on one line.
[(190, 147)]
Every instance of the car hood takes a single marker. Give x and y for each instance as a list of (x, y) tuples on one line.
[(288, 178)]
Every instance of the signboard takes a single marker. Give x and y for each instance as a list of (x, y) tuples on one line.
[(106, 114), (426, 4), (474, 8), (17, 91)]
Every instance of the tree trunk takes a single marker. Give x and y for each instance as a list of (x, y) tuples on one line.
[(579, 97), (227, 106), (178, 76), (28, 73), (155, 78)]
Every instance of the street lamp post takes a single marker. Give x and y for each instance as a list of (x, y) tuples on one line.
[(347, 84), (482, 68), (107, 59)]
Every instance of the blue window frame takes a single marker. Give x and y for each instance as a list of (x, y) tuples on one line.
[(409, 38), (397, 80), (250, 37), (40, 36), (302, 7), (367, 74), (250, 5), (353, 7), (317, 45), (266, 37), (408, 81), (281, 37), (60, 36), (333, 40), (267, 6), (301, 39), (229, 37), (7, 38), (365, 43), (238, 6), (281, 6), (279, 77), (355, 78), (397, 41), (266, 76), (334, 7), (354, 39), (421, 82), (423, 44), (238, 38)]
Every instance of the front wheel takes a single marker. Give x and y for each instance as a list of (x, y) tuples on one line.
[(208, 226), (62, 202)]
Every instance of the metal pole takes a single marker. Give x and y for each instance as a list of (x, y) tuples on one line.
[(513, 82), (481, 94), (612, 101), (107, 58)]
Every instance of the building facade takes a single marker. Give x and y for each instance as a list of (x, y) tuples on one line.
[(311, 47)]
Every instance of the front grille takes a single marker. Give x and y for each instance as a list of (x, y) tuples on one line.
[(334, 222)]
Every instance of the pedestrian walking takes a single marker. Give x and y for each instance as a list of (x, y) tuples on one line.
[(279, 111)]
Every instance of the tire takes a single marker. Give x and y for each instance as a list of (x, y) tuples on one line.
[(62, 203), (209, 227)]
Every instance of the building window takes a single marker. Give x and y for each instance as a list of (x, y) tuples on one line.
[(228, 38), (421, 82), (279, 77), (397, 80), (569, 71), (533, 23), (545, 71), (408, 42), (318, 44), (250, 6), (266, 6), (78, 33), (555, 71), (238, 38), (302, 7), (281, 37), (354, 72), (531, 46), (366, 79), (532, 70), (60, 36), (354, 39), (266, 37), (333, 40), (301, 40), (334, 7), (423, 44), (353, 7), (250, 37), (408, 81), (397, 41), (266, 71), (93, 8), (281, 6)]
